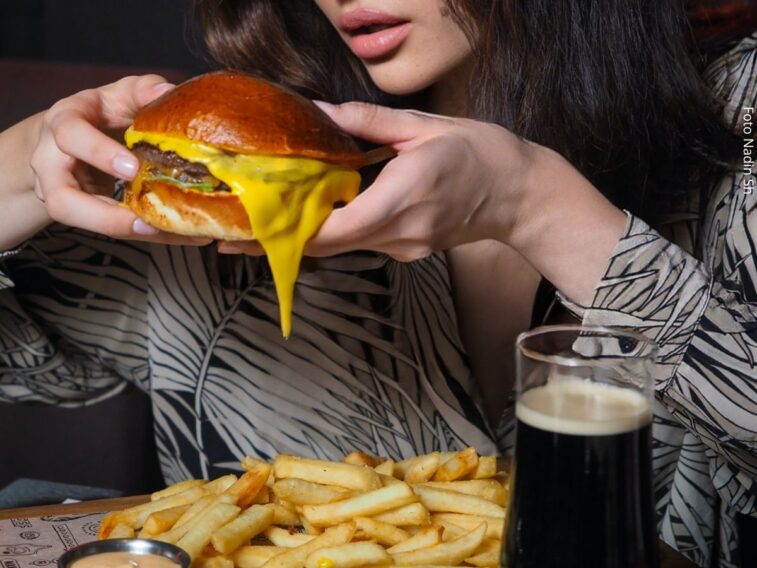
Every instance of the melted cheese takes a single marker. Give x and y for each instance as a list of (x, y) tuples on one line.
[(287, 199)]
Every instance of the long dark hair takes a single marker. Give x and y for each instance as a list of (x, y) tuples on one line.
[(610, 84)]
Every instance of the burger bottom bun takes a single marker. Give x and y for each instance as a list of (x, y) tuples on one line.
[(218, 215)]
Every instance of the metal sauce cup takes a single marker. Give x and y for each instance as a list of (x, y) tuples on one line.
[(135, 546)]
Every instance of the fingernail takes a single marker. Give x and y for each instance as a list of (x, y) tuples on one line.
[(141, 228), (125, 166), (161, 88), (324, 106)]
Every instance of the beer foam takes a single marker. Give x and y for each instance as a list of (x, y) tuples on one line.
[(583, 408)]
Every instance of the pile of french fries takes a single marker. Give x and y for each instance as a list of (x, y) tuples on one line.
[(438, 509)]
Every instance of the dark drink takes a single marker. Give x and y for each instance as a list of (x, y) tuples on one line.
[(581, 493)]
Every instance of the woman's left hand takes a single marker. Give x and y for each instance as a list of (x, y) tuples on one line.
[(456, 181), (453, 181)]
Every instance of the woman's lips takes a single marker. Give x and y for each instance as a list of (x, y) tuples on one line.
[(379, 43), (373, 33)]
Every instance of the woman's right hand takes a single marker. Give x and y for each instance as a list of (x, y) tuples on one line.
[(74, 159)]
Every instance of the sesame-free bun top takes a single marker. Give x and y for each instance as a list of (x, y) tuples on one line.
[(247, 115)]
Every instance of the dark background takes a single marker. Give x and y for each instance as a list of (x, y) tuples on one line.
[(144, 33)]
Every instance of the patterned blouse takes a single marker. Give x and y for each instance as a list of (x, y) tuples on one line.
[(375, 362)]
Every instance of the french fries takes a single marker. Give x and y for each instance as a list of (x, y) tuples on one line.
[(438, 509), (350, 555), (301, 492), (239, 531), (202, 529), (366, 504), (450, 553), (327, 473), (458, 466), (286, 539), (383, 533), (296, 557), (428, 536), (439, 500)]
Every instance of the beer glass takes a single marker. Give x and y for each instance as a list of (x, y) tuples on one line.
[(581, 486)]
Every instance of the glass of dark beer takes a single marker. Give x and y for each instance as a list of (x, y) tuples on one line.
[(581, 486)]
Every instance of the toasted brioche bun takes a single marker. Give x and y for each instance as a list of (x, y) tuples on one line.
[(237, 113), (192, 213)]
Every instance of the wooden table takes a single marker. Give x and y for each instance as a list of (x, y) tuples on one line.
[(669, 557)]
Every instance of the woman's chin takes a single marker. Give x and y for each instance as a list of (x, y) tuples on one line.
[(400, 82)]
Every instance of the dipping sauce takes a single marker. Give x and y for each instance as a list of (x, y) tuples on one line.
[(124, 560)]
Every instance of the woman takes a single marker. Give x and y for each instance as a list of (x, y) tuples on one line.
[(543, 128)]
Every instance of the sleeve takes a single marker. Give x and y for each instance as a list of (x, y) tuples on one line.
[(5, 281), (701, 312), (72, 319)]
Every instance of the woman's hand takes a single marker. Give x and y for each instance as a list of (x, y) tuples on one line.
[(74, 159), (456, 181)]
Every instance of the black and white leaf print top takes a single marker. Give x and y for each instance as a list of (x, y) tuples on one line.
[(375, 362), (698, 300)]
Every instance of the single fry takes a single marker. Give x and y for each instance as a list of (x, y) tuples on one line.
[(389, 480), (213, 562), (458, 466), (487, 554), (107, 525), (177, 488), (295, 557), (383, 533), (245, 489), (428, 536), (449, 553), (401, 467), (301, 492), (221, 484), (161, 521), (486, 468), (135, 517), (439, 500), (364, 505), (250, 523), (350, 555), (360, 458), (327, 473), (310, 529), (423, 468), (121, 530), (203, 528), (254, 556), (287, 539), (494, 526), (385, 468), (412, 514), (263, 497), (489, 489), (193, 516), (249, 463), (284, 516)]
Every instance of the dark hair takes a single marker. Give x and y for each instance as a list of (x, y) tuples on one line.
[(610, 84)]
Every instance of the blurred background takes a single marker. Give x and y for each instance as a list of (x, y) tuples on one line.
[(52, 48)]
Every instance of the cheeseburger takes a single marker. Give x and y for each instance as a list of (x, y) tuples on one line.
[(232, 157)]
